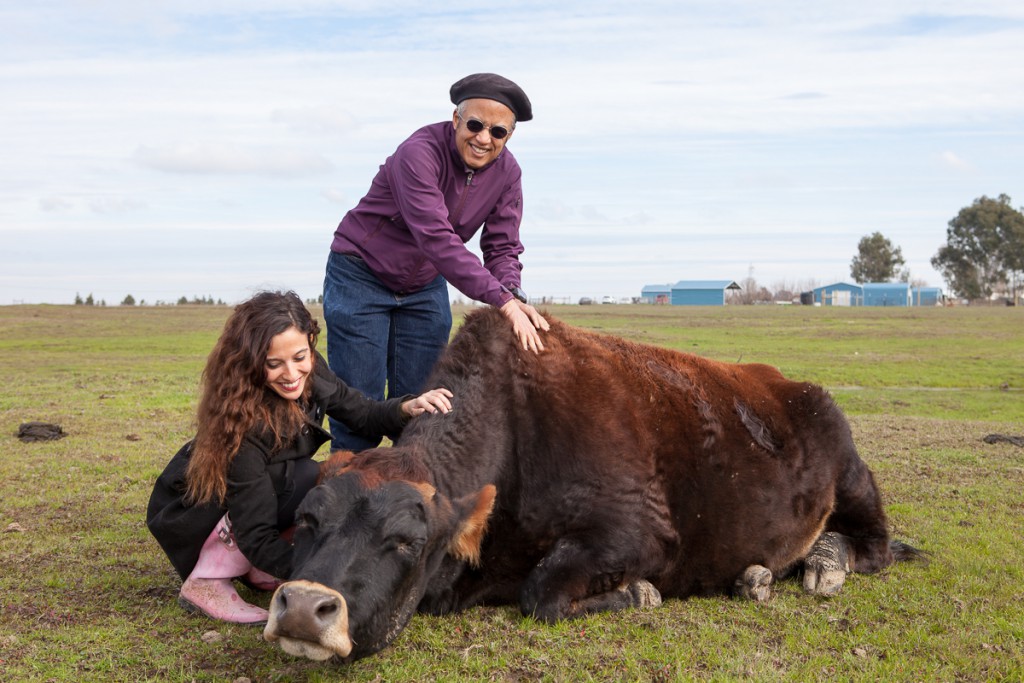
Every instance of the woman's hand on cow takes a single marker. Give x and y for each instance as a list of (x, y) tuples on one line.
[(525, 322), (433, 401)]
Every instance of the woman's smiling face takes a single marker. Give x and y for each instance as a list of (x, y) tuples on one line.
[(289, 362)]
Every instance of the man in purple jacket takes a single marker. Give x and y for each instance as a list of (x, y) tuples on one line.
[(393, 255)]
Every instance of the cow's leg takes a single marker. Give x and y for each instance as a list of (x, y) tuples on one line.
[(828, 563), (569, 582), (754, 584), (640, 593), (856, 537)]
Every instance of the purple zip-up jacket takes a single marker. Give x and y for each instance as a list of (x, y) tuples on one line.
[(424, 205)]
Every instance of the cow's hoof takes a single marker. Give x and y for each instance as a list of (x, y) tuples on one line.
[(644, 594), (755, 584), (826, 566)]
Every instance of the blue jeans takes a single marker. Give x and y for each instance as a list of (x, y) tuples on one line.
[(378, 339)]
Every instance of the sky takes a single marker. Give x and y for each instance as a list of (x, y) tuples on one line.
[(209, 148)]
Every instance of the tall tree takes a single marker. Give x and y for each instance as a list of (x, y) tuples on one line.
[(877, 260), (984, 249)]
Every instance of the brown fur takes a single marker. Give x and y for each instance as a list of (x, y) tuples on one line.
[(693, 468), (576, 479)]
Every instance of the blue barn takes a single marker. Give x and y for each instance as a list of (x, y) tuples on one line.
[(689, 293), (701, 292), (927, 296), (656, 294), (886, 293), (839, 294), (877, 294)]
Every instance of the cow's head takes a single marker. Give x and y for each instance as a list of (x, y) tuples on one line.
[(364, 553)]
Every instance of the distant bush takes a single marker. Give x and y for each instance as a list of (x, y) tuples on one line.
[(200, 301)]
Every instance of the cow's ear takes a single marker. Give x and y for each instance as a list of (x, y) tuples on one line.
[(474, 510), (426, 490), (334, 465)]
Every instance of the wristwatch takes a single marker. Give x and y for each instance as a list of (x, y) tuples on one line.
[(518, 293)]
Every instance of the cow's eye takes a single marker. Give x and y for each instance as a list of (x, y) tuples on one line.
[(304, 520), (406, 546)]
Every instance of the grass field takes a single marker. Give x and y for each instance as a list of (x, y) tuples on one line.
[(86, 594)]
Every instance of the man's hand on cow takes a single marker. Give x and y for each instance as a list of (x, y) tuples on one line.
[(525, 322), (435, 400)]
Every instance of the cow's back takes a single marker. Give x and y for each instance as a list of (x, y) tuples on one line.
[(700, 467)]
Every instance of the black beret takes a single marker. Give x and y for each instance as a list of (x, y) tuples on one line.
[(493, 87)]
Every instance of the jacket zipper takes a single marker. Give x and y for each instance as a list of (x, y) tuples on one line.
[(462, 201), (453, 219)]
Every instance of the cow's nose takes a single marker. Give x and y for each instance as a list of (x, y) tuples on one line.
[(321, 608), (308, 611)]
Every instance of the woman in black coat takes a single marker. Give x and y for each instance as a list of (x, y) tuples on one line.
[(219, 508)]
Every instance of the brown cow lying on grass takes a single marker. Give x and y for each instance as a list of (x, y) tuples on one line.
[(599, 475)]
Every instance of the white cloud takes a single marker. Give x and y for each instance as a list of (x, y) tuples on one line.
[(225, 158), (113, 205), (316, 119), (952, 160), (336, 196), (54, 204)]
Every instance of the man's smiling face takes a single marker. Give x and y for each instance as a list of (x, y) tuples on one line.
[(480, 149)]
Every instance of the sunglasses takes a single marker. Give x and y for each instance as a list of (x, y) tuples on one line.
[(475, 126)]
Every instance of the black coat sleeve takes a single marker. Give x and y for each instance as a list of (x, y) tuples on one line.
[(252, 506), (362, 415)]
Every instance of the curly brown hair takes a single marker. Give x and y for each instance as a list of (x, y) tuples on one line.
[(236, 399)]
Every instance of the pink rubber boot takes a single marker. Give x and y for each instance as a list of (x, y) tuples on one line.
[(208, 589), (259, 579)]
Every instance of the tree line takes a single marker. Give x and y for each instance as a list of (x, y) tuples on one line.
[(983, 254), (984, 250), (129, 300)]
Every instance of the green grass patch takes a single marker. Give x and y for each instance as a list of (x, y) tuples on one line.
[(86, 594)]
